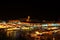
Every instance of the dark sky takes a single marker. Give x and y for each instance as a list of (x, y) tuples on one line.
[(38, 10)]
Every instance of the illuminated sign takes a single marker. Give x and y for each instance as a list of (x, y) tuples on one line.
[(51, 24), (55, 24)]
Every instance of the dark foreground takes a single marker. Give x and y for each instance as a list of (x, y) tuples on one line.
[(22, 36)]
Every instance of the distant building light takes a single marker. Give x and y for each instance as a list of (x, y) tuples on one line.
[(37, 32), (44, 24)]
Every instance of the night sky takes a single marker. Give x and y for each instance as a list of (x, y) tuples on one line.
[(37, 10)]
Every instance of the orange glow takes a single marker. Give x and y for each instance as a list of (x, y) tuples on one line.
[(25, 28)]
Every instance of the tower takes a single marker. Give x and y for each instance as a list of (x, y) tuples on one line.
[(28, 19)]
